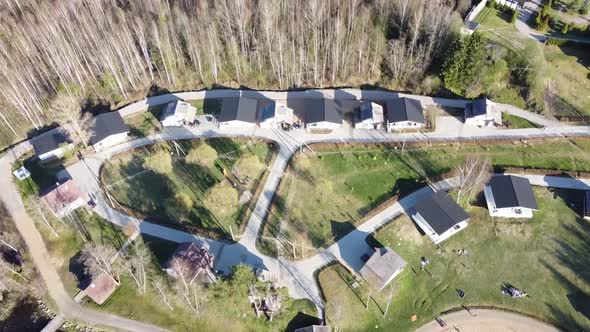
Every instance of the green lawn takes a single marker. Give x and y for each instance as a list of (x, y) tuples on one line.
[(149, 193), (145, 123), (496, 26), (514, 122), (569, 78), (321, 199), (546, 256)]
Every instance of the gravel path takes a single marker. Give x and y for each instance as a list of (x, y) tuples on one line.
[(486, 320)]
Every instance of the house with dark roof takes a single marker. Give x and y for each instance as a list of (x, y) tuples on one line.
[(323, 114), (439, 216), (237, 113), (510, 196), (404, 113), (101, 288), (108, 129), (51, 145), (63, 198), (177, 114), (190, 261), (482, 113), (275, 115), (383, 266), (369, 116), (314, 328)]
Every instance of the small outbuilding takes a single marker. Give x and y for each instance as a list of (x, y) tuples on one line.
[(190, 260), (237, 113), (276, 115), (323, 114), (482, 113), (101, 288), (369, 116), (52, 146), (383, 266), (108, 129), (314, 328), (510, 196), (177, 114), (404, 113), (439, 216), (63, 198)]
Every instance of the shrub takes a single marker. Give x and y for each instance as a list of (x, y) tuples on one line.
[(565, 29), (491, 4), (248, 167), (203, 155), (222, 199), (159, 162), (514, 16), (556, 41), (179, 206)]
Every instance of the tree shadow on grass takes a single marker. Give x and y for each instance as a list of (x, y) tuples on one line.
[(572, 255)]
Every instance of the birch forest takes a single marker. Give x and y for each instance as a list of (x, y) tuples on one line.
[(117, 51)]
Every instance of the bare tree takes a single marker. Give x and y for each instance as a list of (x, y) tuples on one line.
[(160, 285), (472, 173), (97, 259), (136, 263), (185, 285), (272, 303), (66, 110)]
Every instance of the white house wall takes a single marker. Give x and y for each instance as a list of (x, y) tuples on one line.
[(404, 125), (323, 125), (437, 238), (110, 141), (57, 153), (71, 207), (236, 124)]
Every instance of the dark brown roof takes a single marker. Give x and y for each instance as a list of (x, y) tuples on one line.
[(194, 256)]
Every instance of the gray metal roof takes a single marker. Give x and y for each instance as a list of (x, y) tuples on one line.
[(320, 110), (48, 142), (368, 112), (404, 109), (441, 212), (381, 266), (107, 124), (512, 191), (238, 109)]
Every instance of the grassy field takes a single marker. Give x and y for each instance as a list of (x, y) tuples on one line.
[(546, 256), (207, 106), (145, 123), (496, 26), (321, 199), (514, 122), (149, 193), (569, 80)]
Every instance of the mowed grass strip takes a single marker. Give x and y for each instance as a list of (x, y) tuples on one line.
[(546, 256), (323, 198), (161, 197)]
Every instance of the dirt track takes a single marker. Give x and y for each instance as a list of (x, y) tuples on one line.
[(485, 320)]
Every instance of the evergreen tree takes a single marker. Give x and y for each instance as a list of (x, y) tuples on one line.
[(466, 58)]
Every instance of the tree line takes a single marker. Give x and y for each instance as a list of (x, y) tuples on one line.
[(115, 50)]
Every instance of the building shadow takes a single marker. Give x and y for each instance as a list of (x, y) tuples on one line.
[(302, 320)]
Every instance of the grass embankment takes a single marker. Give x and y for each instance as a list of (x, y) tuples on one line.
[(209, 189), (546, 256), (515, 122), (321, 199)]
